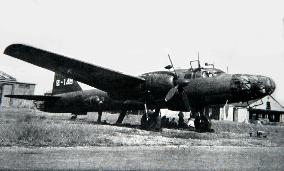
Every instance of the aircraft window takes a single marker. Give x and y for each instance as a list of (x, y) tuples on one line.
[(210, 74), (205, 74), (214, 72), (217, 73), (198, 74)]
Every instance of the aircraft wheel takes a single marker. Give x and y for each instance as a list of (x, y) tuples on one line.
[(73, 117), (144, 122), (158, 126), (205, 124), (154, 122)]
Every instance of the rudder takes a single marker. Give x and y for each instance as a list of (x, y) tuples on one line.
[(63, 84)]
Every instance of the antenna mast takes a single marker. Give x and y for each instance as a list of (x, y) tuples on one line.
[(172, 64), (198, 61)]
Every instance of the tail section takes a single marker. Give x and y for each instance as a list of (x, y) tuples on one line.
[(62, 84)]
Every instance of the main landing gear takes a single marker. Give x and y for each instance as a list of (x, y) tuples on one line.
[(202, 123), (151, 120), (119, 120)]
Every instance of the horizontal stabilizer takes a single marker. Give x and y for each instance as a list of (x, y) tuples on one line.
[(34, 97)]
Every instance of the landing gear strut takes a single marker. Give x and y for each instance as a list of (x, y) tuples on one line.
[(121, 117), (99, 120)]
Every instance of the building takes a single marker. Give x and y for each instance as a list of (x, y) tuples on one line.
[(262, 111), (9, 85), (233, 113)]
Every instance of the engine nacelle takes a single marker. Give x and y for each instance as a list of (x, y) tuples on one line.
[(159, 83)]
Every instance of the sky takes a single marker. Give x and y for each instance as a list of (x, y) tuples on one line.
[(134, 37)]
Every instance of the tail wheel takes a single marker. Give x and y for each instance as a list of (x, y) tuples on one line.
[(73, 117)]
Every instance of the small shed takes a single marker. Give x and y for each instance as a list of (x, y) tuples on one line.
[(234, 112), (10, 86)]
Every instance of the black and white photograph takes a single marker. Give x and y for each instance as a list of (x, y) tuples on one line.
[(141, 85)]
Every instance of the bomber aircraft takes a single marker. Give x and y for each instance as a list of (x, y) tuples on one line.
[(178, 90)]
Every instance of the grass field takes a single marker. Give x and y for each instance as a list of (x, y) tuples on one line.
[(26, 127)]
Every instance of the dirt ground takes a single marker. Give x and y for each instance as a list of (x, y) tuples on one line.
[(142, 158), (32, 139)]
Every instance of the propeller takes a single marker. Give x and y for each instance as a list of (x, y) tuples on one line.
[(178, 87), (173, 90), (179, 84)]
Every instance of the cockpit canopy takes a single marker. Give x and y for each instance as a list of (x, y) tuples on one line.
[(198, 73)]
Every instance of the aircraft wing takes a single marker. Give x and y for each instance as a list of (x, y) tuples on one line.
[(34, 97), (93, 75)]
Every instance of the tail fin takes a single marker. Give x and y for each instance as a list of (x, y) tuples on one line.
[(62, 84)]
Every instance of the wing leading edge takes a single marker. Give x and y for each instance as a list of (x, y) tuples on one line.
[(93, 75), (34, 97)]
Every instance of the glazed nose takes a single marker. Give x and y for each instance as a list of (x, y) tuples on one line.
[(264, 84), (268, 84), (255, 85)]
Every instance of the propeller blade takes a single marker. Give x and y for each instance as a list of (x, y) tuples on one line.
[(186, 101), (179, 84), (171, 93)]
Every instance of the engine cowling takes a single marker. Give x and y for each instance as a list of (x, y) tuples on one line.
[(159, 83)]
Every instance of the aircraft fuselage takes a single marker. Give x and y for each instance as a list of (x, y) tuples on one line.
[(200, 91)]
